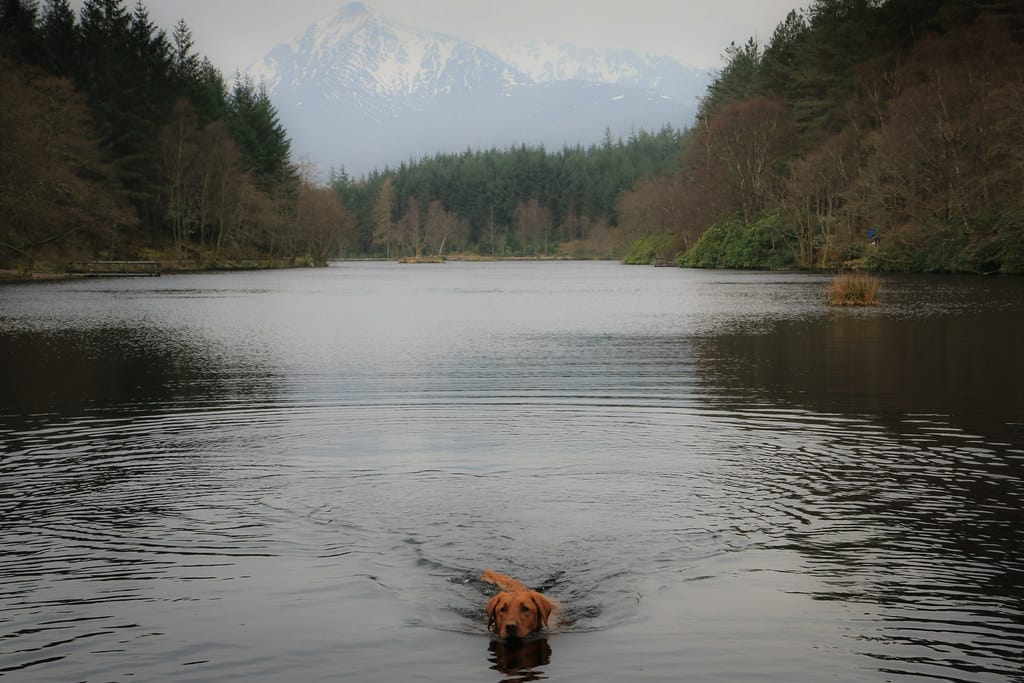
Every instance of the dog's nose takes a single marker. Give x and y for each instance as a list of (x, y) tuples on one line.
[(512, 629)]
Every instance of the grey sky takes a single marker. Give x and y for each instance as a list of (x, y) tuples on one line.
[(237, 33)]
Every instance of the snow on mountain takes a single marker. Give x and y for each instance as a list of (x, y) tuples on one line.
[(552, 61), (380, 66), (361, 91)]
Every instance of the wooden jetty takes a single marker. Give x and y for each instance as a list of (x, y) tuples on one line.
[(115, 268)]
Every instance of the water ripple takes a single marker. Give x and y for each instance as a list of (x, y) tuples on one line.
[(712, 477)]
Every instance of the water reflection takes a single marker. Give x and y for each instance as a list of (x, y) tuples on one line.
[(957, 366), (887, 453), (299, 476), (75, 371), (520, 659)]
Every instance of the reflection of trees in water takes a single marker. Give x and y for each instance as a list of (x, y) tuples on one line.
[(519, 659), (968, 367), (110, 471), (92, 426), (71, 372), (884, 451), (922, 475)]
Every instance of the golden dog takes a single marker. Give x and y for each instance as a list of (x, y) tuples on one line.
[(516, 611)]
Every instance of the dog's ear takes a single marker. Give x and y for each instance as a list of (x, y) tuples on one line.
[(544, 607), (492, 607)]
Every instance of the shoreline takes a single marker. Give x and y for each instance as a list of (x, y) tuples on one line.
[(13, 276)]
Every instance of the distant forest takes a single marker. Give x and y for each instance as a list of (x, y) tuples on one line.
[(523, 201), (883, 135)]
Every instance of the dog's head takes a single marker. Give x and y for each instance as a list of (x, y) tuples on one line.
[(516, 614)]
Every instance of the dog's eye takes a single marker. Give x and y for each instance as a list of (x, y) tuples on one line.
[(503, 608), (524, 608)]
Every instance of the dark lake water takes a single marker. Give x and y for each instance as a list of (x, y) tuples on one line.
[(299, 475)]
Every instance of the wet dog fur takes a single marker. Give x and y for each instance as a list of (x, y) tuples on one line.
[(516, 611)]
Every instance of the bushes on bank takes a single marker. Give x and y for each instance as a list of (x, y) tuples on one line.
[(762, 245)]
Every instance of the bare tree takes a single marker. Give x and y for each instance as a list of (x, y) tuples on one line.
[(443, 229), (532, 225)]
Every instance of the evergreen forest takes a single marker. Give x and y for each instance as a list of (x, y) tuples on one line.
[(880, 135)]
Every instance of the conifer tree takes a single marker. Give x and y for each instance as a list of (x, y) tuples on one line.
[(263, 140), (19, 37), (59, 36), (185, 65)]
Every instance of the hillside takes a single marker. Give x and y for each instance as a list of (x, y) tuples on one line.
[(876, 135)]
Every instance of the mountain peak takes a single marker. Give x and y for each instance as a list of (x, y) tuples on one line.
[(363, 90), (346, 21), (352, 10)]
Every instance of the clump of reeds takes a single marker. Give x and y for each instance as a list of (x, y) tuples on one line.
[(854, 289)]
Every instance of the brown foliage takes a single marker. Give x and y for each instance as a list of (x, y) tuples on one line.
[(733, 166), (54, 184), (655, 205), (532, 223), (945, 169), (955, 133), (853, 289), (816, 199), (322, 223), (206, 184), (748, 143), (444, 230)]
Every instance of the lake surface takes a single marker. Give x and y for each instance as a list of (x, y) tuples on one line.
[(298, 475)]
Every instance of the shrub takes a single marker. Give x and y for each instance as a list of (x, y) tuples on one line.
[(733, 245), (854, 289), (643, 251)]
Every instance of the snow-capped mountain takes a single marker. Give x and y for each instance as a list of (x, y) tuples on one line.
[(550, 61), (361, 91), (383, 66)]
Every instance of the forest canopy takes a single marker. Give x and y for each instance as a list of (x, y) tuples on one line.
[(524, 201)]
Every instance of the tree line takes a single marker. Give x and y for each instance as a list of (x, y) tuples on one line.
[(121, 141), (518, 201), (881, 135)]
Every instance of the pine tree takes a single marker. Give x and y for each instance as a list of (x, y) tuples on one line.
[(738, 80), (19, 36), (263, 140), (59, 36)]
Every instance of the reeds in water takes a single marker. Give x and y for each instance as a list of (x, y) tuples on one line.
[(854, 289)]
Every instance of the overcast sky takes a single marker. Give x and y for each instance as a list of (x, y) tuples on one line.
[(237, 33)]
